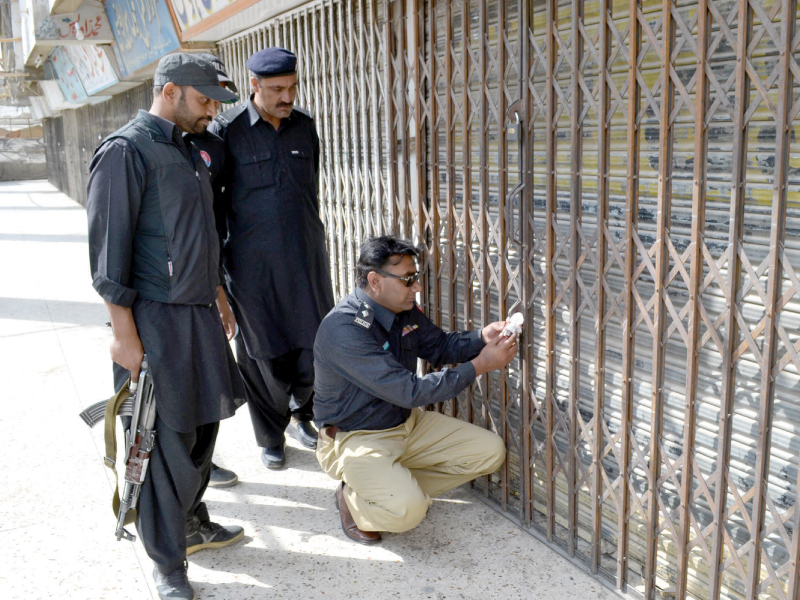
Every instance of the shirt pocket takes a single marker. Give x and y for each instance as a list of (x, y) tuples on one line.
[(410, 342), (300, 161), (257, 169)]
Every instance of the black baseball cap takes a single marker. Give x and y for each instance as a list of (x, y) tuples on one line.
[(190, 69), (222, 75)]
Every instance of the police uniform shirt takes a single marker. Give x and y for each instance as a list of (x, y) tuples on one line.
[(365, 361), (275, 254)]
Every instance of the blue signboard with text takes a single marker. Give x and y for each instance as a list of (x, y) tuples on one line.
[(65, 73), (143, 31)]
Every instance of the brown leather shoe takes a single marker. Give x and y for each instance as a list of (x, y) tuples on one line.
[(349, 526)]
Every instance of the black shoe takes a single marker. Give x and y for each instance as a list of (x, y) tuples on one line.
[(222, 478), (303, 432), (174, 586), (273, 458), (202, 535)]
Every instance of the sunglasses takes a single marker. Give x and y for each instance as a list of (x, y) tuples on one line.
[(409, 280)]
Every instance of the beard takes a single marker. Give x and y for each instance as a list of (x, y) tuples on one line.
[(188, 121)]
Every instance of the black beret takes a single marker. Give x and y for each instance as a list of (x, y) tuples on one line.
[(271, 62)]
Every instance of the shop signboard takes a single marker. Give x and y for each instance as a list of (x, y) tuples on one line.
[(191, 12), (87, 25), (143, 31), (93, 67), (65, 73)]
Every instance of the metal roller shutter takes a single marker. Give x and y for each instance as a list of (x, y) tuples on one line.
[(631, 171)]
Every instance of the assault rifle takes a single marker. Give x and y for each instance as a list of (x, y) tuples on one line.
[(140, 405)]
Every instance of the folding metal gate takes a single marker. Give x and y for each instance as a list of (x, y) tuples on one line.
[(630, 171)]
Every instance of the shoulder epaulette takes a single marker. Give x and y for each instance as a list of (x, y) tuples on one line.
[(364, 316), (227, 117)]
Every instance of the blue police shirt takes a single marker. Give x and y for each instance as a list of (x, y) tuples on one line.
[(365, 360)]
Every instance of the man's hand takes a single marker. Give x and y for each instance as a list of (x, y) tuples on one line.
[(491, 333), (496, 354), (225, 313), (126, 348)]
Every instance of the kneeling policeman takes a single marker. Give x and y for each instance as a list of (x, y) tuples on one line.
[(391, 456)]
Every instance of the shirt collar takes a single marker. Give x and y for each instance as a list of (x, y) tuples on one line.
[(167, 127), (252, 112), (382, 314), (158, 127)]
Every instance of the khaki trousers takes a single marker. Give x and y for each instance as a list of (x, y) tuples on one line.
[(391, 475)]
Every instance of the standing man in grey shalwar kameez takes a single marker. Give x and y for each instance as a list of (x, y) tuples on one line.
[(274, 253)]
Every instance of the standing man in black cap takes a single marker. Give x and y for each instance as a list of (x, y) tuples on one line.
[(275, 258), (154, 256)]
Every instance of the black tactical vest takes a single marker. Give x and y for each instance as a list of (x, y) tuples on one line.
[(175, 246)]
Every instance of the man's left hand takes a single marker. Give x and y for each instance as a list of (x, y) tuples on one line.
[(226, 314), (491, 333)]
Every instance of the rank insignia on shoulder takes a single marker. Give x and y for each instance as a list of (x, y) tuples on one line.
[(227, 117), (364, 316)]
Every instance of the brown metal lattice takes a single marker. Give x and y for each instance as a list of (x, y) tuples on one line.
[(629, 170)]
